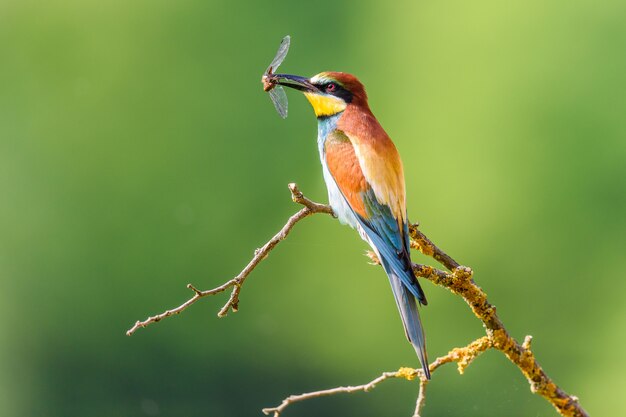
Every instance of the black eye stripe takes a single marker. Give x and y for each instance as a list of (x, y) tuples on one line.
[(337, 91)]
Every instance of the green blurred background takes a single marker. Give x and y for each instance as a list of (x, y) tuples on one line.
[(138, 153)]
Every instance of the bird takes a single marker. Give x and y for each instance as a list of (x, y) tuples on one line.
[(366, 187)]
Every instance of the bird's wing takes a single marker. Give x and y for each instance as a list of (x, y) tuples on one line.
[(377, 202)]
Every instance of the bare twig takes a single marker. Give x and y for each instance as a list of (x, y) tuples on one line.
[(463, 356), (458, 280), (260, 254), (324, 393), (421, 398)]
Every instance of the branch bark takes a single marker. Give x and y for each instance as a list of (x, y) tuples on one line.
[(462, 356), (458, 279), (237, 282), (325, 393)]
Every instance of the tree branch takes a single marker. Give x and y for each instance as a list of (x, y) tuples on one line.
[(463, 356), (420, 242), (237, 282), (459, 280), (325, 393)]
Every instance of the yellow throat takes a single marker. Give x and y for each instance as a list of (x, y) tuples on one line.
[(325, 105)]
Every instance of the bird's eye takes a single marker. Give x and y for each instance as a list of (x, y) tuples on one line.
[(330, 87)]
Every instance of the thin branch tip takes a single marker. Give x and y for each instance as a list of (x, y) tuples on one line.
[(527, 342), (194, 289), (295, 191)]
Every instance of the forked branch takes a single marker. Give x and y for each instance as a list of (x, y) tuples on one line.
[(236, 283), (463, 356), (458, 279), (460, 282)]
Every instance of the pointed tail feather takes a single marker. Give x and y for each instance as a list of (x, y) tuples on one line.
[(407, 306)]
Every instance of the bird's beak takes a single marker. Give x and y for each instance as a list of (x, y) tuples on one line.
[(295, 81)]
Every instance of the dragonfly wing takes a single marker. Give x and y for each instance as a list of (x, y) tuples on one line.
[(280, 54), (279, 98)]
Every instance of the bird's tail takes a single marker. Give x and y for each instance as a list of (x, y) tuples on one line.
[(407, 306)]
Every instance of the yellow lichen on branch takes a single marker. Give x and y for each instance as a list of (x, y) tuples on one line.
[(407, 373), (458, 279), (465, 355)]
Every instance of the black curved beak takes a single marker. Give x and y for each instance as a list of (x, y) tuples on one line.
[(295, 81)]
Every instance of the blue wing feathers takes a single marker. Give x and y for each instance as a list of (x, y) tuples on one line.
[(384, 232), (391, 240), (394, 264)]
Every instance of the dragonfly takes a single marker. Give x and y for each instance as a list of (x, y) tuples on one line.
[(270, 81)]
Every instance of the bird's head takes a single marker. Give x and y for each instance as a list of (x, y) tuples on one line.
[(328, 92)]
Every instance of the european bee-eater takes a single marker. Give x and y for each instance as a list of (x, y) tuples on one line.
[(365, 181)]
